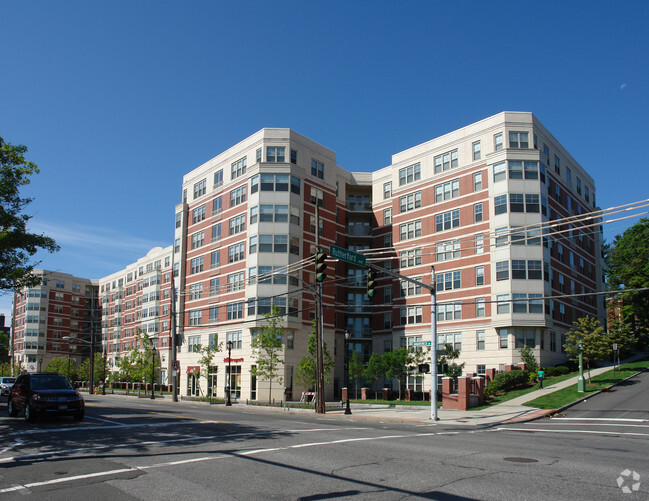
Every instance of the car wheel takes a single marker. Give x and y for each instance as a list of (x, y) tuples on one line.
[(78, 416), (30, 415), (11, 409)]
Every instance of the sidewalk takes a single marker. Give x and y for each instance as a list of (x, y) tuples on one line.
[(512, 411)]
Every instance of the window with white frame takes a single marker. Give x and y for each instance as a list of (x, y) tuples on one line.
[(200, 188), (447, 220), (196, 265), (500, 171), (498, 141), (235, 310), (447, 250), (275, 154), (447, 191), (195, 291), (480, 340), (475, 147), (410, 230), (238, 196), (236, 252), (409, 174), (480, 307), (236, 282), (479, 275), (410, 202), (450, 280), (502, 303), (195, 317), (387, 216), (387, 190), (410, 258), (450, 311), (317, 197), (445, 161), (198, 214), (238, 168), (237, 224), (477, 181), (409, 288), (218, 178), (479, 244), (477, 213), (198, 239), (519, 139), (235, 338), (317, 169), (411, 315)]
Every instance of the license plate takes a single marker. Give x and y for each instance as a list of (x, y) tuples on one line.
[(63, 407)]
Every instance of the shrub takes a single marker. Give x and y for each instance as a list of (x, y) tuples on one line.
[(559, 370), (505, 381)]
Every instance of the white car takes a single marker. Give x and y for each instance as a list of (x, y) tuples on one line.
[(5, 384)]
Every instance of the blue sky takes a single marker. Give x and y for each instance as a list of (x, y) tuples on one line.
[(117, 100)]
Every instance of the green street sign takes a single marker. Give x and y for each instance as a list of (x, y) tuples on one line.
[(348, 256), (421, 343)]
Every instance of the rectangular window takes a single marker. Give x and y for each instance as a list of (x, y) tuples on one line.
[(479, 275), (477, 181), (557, 165), (198, 214), (196, 265), (516, 202), (447, 220), (198, 239), (532, 202), (447, 191), (387, 190), (235, 338), (236, 282), (317, 169), (410, 230), (218, 178), (503, 334), (534, 269), (410, 202), (236, 252), (195, 291), (200, 188), (238, 196), (502, 301), (477, 213), (317, 197), (531, 170), (410, 258), (215, 259), (480, 340), (502, 270), (235, 310), (519, 303), (476, 150), (500, 172), (217, 205), (237, 224), (515, 169), (195, 317), (449, 281), (445, 161), (518, 140), (479, 244), (447, 250), (275, 154), (387, 216), (480, 307), (411, 315), (500, 204), (498, 141), (409, 174), (293, 156), (238, 168)]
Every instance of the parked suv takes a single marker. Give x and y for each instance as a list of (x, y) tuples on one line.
[(5, 384), (40, 394)]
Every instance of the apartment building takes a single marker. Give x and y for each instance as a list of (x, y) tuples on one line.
[(55, 319), (135, 302), (501, 211)]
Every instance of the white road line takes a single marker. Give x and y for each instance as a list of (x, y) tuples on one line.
[(630, 420), (210, 458), (624, 425), (591, 432), (104, 420)]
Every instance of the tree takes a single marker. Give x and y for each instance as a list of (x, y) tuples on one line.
[(588, 333), (531, 365), (63, 365), (374, 368), (127, 366), (628, 268), (355, 369), (84, 369), (17, 245), (267, 345), (619, 332), (207, 357), (306, 369), (147, 359), (447, 358), (396, 364), (4, 348)]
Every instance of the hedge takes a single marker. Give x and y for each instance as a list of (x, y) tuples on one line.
[(504, 381)]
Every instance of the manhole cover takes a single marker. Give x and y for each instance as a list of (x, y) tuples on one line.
[(522, 460)]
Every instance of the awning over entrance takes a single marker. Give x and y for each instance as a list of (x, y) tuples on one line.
[(192, 369)]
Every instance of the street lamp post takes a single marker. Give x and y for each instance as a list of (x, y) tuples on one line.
[(103, 389), (228, 401), (581, 386), (348, 335)]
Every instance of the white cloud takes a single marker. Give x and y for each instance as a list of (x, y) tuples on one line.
[(623, 86)]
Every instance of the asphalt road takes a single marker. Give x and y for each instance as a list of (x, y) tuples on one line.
[(129, 448)]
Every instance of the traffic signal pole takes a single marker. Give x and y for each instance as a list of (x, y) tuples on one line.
[(320, 397)]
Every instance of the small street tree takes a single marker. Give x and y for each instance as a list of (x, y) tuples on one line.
[(147, 358), (588, 333), (447, 358), (267, 346), (355, 369), (63, 365), (531, 365), (128, 366), (619, 332), (305, 373), (396, 364), (84, 369), (207, 358), (375, 368), (17, 245)]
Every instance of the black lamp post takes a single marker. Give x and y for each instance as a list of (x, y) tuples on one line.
[(103, 389), (152, 370), (348, 335), (227, 386)]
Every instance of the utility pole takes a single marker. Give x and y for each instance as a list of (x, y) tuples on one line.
[(174, 341), (433, 348), (91, 386), (320, 400)]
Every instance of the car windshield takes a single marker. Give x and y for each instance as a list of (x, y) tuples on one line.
[(50, 383), (7, 380)]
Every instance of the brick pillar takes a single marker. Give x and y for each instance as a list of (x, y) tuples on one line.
[(479, 388), (364, 393), (344, 394), (447, 401), (386, 394), (508, 367), (408, 395), (489, 375), (522, 366), (463, 393)]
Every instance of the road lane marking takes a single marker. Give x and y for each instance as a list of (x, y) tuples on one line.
[(76, 429), (104, 420), (630, 420), (215, 457), (591, 432)]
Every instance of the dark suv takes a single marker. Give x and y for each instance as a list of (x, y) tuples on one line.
[(39, 394)]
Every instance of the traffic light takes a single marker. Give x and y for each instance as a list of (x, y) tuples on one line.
[(424, 368), (371, 283), (320, 266)]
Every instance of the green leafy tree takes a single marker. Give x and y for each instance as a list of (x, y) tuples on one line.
[(61, 365), (619, 332), (4, 348), (207, 358), (355, 369), (128, 369), (267, 346), (628, 268), (531, 365), (17, 245), (305, 373), (84, 369), (147, 358), (375, 368), (396, 364), (419, 356), (448, 360), (588, 333)]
